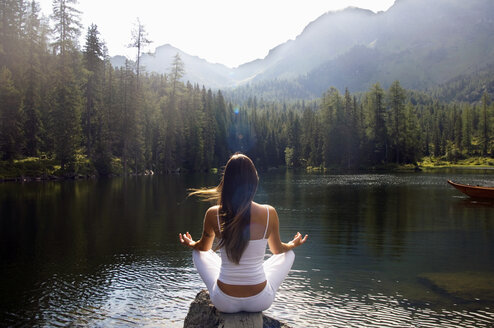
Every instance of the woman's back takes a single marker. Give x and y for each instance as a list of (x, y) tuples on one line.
[(249, 270), (259, 224)]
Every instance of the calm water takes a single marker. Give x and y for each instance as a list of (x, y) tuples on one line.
[(397, 250)]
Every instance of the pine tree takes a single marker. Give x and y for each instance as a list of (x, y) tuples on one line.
[(396, 105), (412, 135), (66, 109), (485, 120), (352, 134), (10, 117), (93, 63), (208, 129), (66, 27), (222, 117), (66, 119), (467, 129), (376, 124), (139, 41), (458, 129), (35, 41), (177, 72), (130, 133), (293, 142), (332, 124), (12, 20)]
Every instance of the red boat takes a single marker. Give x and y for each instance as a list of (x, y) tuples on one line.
[(474, 191)]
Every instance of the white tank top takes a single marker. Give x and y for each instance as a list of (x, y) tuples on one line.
[(249, 271)]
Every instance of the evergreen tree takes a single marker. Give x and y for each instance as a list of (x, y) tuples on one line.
[(352, 134), (222, 118), (66, 109), (177, 72), (332, 125), (208, 129), (139, 41), (397, 124), (308, 136), (130, 134), (10, 117), (93, 63), (376, 124), (35, 42), (412, 135), (293, 142), (467, 129), (485, 121), (12, 20), (65, 118), (66, 27), (458, 129)]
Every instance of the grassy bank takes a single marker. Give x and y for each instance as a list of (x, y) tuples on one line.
[(31, 167), (467, 163), (425, 163), (44, 168)]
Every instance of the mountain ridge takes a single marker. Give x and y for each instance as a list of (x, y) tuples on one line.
[(420, 43)]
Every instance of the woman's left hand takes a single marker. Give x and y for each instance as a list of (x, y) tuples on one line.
[(298, 240), (186, 240)]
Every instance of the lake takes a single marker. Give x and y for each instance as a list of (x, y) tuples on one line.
[(384, 250)]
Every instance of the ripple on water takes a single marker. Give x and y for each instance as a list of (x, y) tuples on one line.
[(149, 293), (300, 306), (137, 293)]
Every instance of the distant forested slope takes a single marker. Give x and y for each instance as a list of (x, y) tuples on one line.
[(421, 43)]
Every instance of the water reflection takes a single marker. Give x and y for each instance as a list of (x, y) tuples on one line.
[(384, 250)]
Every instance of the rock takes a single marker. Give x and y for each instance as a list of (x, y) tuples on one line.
[(464, 286), (203, 314)]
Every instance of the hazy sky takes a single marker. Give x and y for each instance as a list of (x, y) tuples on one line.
[(230, 32)]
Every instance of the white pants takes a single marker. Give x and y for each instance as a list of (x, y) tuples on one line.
[(276, 268)]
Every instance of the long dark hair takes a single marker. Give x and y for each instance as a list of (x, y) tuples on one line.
[(235, 194)]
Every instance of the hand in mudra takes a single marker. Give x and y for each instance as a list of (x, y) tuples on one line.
[(298, 240), (186, 239)]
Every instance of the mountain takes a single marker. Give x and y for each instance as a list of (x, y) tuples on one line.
[(197, 70), (421, 43)]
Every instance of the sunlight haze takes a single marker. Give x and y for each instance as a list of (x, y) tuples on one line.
[(220, 31)]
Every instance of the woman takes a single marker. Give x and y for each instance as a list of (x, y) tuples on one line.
[(240, 280)]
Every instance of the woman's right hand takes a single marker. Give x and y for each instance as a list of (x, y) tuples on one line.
[(186, 240), (298, 240)]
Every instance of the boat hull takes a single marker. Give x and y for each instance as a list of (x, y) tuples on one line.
[(474, 191)]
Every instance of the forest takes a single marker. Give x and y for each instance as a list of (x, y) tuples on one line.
[(64, 110)]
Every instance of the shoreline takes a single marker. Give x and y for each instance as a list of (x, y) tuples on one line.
[(393, 169)]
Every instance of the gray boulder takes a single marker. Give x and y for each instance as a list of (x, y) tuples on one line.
[(203, 314)]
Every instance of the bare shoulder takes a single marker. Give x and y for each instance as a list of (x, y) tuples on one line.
[(271, 209), (262, 206), (213, 209), (212, 212), (273, 216)]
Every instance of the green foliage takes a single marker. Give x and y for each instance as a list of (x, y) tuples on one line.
[(66, 26), (65, 118), (88, 118), (444, 162), (289, 157), (10, 117), (375, 125), (397, 120), (28, 167), (83, 165)]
